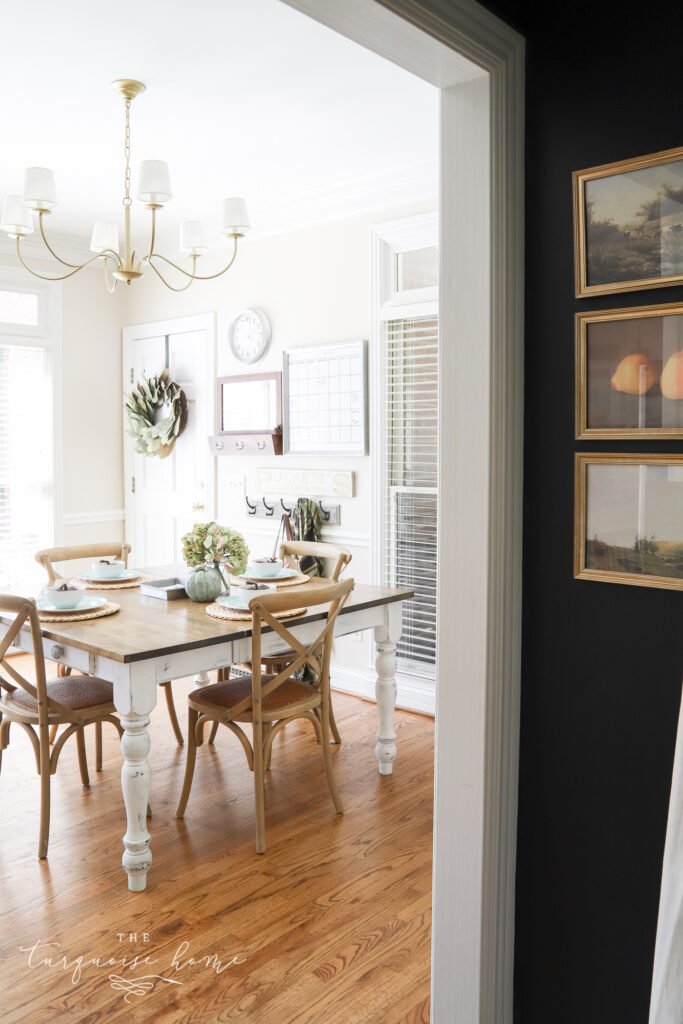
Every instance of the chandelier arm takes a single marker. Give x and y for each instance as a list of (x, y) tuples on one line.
[(41, 214), (61, 277), (164, 281), (198, 277), (111, 288)]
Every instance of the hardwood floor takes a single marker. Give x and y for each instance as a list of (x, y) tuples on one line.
[(331, 925)]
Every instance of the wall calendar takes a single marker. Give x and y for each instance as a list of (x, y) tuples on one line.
[(325, 390)]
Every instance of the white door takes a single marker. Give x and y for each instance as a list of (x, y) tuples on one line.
[(164, 497)]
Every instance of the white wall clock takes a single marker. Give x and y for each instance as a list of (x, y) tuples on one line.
[(249, 335)]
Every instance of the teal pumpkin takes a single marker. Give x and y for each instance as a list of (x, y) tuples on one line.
[(203, 583)]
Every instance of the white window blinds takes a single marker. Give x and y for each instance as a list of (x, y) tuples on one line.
[(26, 503), (412, 348)]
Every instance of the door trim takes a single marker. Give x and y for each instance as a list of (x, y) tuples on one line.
[(477, 742), (129, 335)]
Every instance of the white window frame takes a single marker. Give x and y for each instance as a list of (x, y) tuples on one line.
[(47, 334), (387, 303)]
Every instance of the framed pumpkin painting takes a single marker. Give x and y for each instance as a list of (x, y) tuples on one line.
[(629, 373), (628, 224)]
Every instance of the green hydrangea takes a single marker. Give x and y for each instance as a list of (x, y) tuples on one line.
[(210, 542)]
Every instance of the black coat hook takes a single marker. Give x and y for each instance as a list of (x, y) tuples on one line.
[(269, 508), (287, 511), (325, 512), (251, 508)]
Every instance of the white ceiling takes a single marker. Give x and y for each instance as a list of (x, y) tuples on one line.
[(244, 97)]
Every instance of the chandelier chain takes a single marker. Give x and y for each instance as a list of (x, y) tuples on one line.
[(127, 201)]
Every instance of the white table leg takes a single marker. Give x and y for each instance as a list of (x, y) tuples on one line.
[(135, 783), (386, 637)]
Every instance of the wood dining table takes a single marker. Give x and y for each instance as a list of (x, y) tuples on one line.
[(150, 641)]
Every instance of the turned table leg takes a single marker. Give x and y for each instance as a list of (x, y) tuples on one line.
[(386, 637), (135, 783)]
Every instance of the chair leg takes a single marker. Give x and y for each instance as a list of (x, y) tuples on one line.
[(327, 758), (192, 717), (167, 688), (336, 738), (82, 759), (212, 734), (53, 733), (44, 834), (259, 796), (98, 746)]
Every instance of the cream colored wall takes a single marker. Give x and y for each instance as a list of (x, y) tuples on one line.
[(314, 284), (92, 420)]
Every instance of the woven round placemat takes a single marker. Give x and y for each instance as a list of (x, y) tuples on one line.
[(219, 611), (293, 581), (105, 585), (97, 613)]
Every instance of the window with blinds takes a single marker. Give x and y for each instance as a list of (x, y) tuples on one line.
[(412, 439), (26, 462)]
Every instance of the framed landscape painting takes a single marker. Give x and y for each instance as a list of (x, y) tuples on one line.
[(629, 373), (628, 519), (628, 224)]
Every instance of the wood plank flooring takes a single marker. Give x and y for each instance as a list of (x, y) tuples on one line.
[(331, 925)]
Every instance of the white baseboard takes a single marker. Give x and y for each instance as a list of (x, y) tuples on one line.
[(110, 515), (413, 693)]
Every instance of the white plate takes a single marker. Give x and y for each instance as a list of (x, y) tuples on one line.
[(86, 605), (234, 602), (284, 574), (126, 576)]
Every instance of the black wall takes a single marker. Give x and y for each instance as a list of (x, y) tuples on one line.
[(602, 663)]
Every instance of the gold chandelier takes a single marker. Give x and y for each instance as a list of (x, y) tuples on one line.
[(154, 189)]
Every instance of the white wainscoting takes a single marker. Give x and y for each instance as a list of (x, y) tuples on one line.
[(413, 693), (109, 515), (268, 528)]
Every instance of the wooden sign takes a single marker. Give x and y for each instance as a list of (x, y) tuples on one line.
[(324, 483)]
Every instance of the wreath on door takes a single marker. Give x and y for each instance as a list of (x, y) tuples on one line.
[(142, 405)]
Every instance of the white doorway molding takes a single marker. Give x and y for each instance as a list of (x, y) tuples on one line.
[(478, 63)]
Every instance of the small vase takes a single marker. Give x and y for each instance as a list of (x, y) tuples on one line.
[(203, 583), (224, 569)]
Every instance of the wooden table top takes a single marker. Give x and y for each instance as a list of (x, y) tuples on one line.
[(147, 627)]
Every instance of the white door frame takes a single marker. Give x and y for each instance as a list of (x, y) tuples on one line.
[(129, 335), (481, 326)]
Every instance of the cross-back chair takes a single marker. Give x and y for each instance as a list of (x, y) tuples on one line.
[(47, 558), (267, 702), (73, 701), (291, 552)]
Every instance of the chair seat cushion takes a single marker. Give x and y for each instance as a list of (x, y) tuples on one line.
[(75, 692), (227, 694)]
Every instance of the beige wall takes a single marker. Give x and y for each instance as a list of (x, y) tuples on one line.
[(314, 284)]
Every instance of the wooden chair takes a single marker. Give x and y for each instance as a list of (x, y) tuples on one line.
[(104, 549), (268, 701), (74, 701), (290, 552)]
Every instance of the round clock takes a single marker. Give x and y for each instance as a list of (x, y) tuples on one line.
[(249, 335)]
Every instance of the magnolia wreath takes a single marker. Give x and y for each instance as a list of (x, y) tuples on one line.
[(142, 404)]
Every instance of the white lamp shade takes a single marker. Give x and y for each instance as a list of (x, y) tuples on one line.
[(16, 218), (192, 241), (105, 235), (155, 182), (234, 219), (39, 188)]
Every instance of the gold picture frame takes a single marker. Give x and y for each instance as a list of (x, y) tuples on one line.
[(636, 224), (621, 504), (629, 373)]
